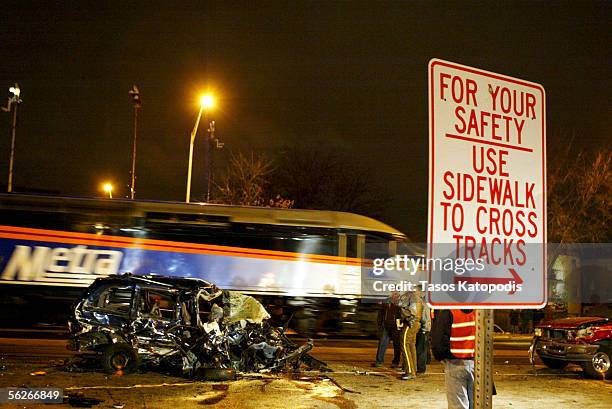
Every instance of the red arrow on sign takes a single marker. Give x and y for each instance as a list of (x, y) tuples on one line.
[(493, 280)]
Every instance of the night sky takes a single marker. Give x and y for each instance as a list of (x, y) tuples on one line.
[(340, 75)]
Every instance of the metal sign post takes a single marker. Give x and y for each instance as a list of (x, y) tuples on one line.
[(483, 360)]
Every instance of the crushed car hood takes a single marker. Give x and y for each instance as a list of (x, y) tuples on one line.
[(572, 322)]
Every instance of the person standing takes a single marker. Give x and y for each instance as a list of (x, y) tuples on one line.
[(514, 321), (527, 321), (453, 342), (387, 326), (411, 307), (422, 339)]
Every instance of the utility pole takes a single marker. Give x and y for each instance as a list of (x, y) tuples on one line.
[(209, 138), (212, 143), (135, 93), (13, 103)]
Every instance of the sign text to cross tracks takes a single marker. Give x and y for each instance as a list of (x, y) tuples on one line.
[(487, 193)]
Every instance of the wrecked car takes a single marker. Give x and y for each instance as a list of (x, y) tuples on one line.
[(187, 324), (586, 341)]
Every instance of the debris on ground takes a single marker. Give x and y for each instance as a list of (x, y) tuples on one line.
[(38, 373), (186, 325), (342, 388), (368, 373), (79, 400)]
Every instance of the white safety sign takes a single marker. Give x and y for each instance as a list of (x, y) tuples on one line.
[(487, 189)]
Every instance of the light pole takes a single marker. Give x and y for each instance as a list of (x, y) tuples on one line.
[(210, 133), (135, 93), (206, 102), (13, 102), (108, 188)]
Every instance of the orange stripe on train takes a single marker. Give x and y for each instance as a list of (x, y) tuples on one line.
[(57, 236)]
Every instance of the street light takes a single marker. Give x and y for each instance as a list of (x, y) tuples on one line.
[(207, 102), (108, 188), (13, 102), (135, 93)]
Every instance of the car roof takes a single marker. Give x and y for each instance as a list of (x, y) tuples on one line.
[(164, 281)]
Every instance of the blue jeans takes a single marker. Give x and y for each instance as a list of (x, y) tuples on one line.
[(459, 378), (388, 334)]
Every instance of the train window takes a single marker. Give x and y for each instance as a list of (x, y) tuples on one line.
[(376, 246), (189, 233), (342, 245), (392, 248), (33, 218), (404, 247), (94, 221), (102, 224), (256, 236), (351, 245)]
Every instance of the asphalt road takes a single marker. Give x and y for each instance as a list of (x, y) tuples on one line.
[(352, 384), (512, 350)]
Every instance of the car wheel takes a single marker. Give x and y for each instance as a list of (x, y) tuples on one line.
[(215, 374), (554, 363), (600, 366), (119, 358)]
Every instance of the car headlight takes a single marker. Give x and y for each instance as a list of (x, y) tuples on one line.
[(538, 332)]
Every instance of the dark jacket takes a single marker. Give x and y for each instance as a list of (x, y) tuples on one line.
[(441, 333), (388, 314)]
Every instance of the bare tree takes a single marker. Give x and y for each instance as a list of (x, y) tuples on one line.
[(579, 195), (246, 183), (579, 185), (320, 178), (579, 188), (304, 177)]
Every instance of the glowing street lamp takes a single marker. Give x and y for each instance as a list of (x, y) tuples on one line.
[(108, 188), (207, 102)]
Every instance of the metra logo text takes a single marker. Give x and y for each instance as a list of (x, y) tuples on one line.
[(41, 263)]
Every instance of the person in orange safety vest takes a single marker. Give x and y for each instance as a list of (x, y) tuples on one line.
[(453, 341)]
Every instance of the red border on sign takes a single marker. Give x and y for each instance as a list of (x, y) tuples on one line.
[(538, 87)]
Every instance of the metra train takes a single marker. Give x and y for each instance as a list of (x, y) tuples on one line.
[(305, 262)]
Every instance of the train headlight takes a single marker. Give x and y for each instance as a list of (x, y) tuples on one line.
[(538, 332)]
